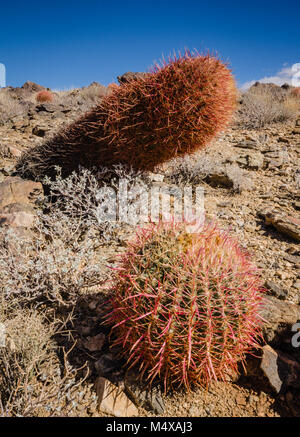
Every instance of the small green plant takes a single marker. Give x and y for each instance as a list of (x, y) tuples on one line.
[(185, 306)]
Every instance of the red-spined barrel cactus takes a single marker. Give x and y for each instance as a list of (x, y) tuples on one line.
[(44, 96), (175, 109), (185, 307), (296, 92)]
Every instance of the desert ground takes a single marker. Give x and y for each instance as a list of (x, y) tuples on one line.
[(55, 263)]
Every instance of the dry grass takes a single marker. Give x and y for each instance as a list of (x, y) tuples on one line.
[(33, 381), (199, 167), (263, 106), (9, 107), (85, 98)]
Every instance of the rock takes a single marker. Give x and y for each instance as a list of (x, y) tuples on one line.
[(130, 76), (294, 259), (47, 107), (40, 131), (281, 369), (220, 178), (283, 140), (17, 215), (276, 158), (32, 87), (12, 151), (113, 401), (287, 225), (275, 290), (17, 190), (7, 169), (107, 364), (148, 398), (248, 144), (95, 343), (296, 130), (253, 160), (296, 284), (279, 316), (20, 125)]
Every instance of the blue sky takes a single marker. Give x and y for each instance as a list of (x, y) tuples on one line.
[(61, 44)]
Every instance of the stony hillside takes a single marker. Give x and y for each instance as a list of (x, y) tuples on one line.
[(251, 180)]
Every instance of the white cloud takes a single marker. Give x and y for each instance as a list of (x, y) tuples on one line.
[(290, 75)]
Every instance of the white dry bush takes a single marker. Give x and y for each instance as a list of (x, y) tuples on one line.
[(58, 262), (194, 169), (264, 107), (54, 265)]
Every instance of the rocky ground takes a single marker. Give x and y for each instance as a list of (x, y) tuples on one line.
[(254, 190)]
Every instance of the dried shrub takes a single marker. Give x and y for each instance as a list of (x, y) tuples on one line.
[(264, 107), (32, 379), (201, 167), (9, 107)]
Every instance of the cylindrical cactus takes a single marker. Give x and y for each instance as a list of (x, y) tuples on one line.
[(175, 109), (185, 307)]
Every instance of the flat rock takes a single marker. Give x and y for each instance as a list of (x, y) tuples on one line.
[(40, 131), (248, 144), (285, 224), (112, 400), (17, 190), (17, 215), (107, 364), (95, 343), (281, 369), (149, 398), (127, 77), (279, 316), (251, 160), (275, 290)]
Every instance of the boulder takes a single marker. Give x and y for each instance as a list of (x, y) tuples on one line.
[(149, 398), (279, 317), (16, 190), (282, 370), (129, 76), (112, 400), (285, 224), (17, 215)]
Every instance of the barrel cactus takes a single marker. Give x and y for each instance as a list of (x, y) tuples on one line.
[(185, 307), (44, 96), (173, 110)]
